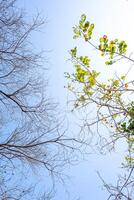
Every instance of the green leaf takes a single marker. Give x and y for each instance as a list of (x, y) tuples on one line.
[(86, 25), (73, 52), (83, 17), (123, 77), (92, 26)]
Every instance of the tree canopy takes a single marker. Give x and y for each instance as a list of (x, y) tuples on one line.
[(111, 99)]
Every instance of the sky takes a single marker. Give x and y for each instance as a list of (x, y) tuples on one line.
[(111, 17)]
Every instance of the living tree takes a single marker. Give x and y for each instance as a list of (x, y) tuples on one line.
[(32, 133), (111, 100)]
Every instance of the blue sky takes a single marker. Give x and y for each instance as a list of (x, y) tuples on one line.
[(111, 17)]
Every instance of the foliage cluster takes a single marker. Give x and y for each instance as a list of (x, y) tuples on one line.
[(114, 108)]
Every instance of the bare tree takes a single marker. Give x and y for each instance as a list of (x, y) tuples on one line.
[(123, 189), (31, 129)]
